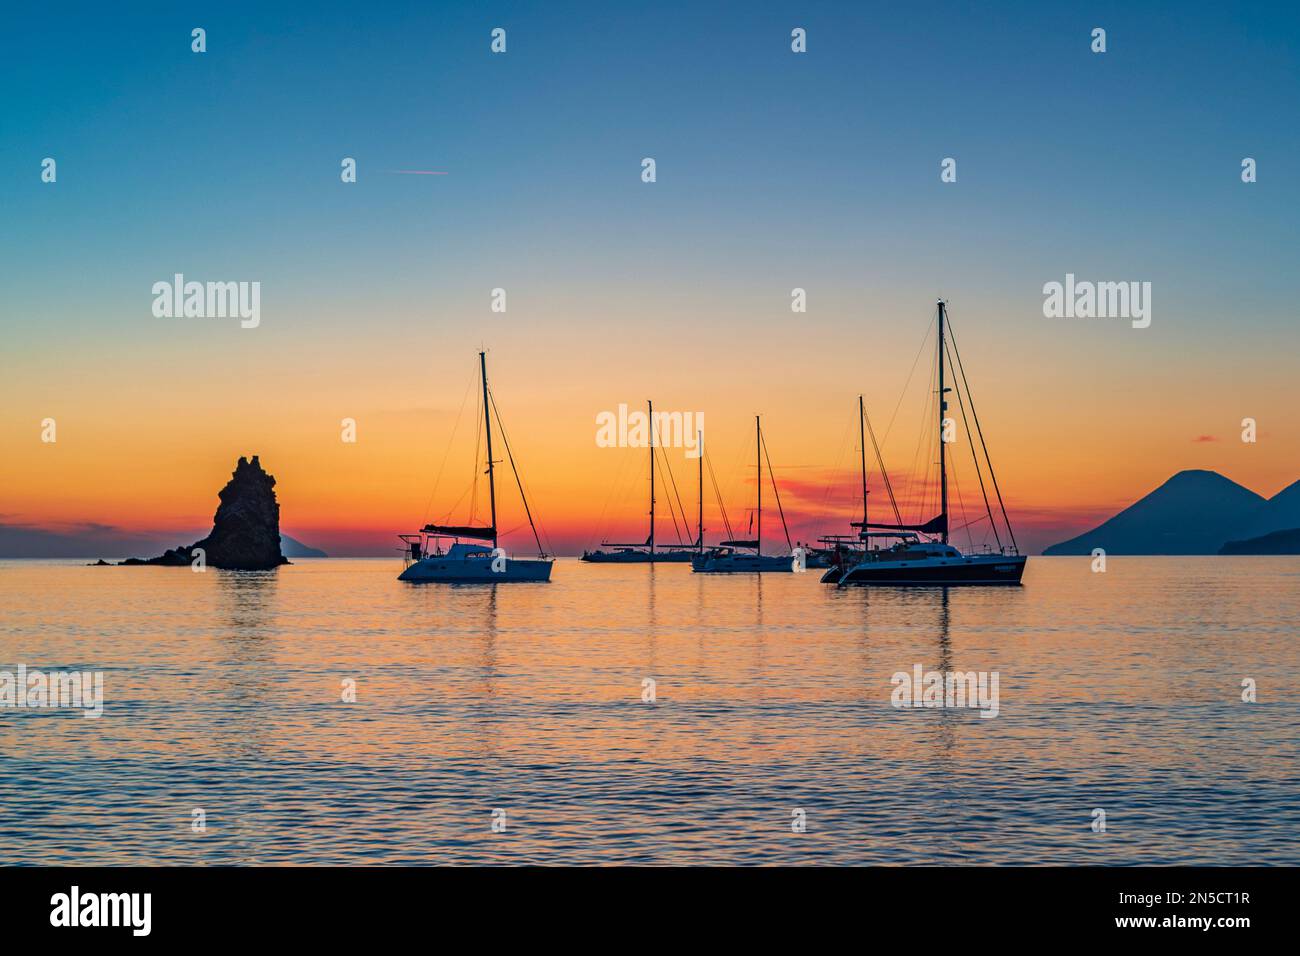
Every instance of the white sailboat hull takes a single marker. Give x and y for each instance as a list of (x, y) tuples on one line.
[(441, 569), (741, 563), (475, 561)]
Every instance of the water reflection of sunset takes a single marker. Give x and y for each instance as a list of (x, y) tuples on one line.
[(223, 691)]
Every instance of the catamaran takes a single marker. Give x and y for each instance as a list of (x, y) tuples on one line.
[(429, 560), (922, 554), (746, 555), (645, 552)]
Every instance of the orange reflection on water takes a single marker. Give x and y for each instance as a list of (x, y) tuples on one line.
[(224, 691)]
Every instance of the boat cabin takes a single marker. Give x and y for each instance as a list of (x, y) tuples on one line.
[(419, 546), (921, 549)]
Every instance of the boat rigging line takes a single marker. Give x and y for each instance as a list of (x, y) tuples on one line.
[(541, 552), (992, 475), (776, 491), (979, 472), (880, 463), (672, 480), (460, 413), (717, 492)]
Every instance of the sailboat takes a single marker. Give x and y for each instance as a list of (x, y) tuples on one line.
[(838, 551), (645, 552), (922, 554), (745, 555), (428, 560)]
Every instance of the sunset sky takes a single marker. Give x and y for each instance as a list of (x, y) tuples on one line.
[(775, 170)]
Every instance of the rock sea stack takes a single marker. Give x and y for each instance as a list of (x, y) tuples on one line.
[(245, 530)]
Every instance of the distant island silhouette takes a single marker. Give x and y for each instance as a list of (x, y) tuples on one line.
[(1197, 512), (245, 530), (1275, 542), (293, 548)]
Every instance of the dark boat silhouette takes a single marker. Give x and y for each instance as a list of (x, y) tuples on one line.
[(429, 560), (646, 552), (737, 555), (922, 554)]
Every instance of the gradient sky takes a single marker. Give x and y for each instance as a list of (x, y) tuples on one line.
[(775, 170)]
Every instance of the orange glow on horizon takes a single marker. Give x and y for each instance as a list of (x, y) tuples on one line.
[(1072, 443)]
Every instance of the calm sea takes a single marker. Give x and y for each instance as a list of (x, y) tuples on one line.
[(223, 693)]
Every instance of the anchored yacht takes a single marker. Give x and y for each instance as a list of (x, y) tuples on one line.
[(646, 552), (913, 561), (429, 559), (737, 556), (922, 554)]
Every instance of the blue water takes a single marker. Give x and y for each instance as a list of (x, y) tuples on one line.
[(1118, 691)]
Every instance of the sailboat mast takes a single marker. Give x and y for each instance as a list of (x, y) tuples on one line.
[(943, 407), (699, 443), (758, 538), (862, 440), (651, 406), (487, 423)]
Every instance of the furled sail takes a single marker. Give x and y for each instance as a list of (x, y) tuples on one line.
[(626, 544), (936, 525), (461, 531)]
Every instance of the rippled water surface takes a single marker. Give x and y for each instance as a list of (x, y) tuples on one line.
[(1118, 691)]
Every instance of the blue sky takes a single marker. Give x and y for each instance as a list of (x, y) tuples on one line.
[(775, 170), (762, 154)]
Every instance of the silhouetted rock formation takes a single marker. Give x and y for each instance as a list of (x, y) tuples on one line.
[(245, 530)]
